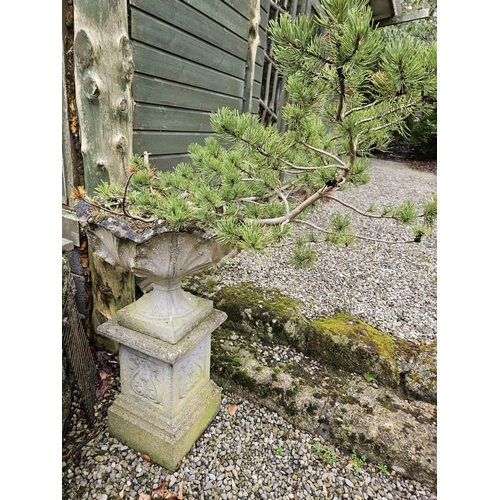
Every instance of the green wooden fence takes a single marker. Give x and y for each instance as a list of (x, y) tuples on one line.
[(191, 58)]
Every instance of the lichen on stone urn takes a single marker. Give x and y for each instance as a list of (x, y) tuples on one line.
[(165, 257)]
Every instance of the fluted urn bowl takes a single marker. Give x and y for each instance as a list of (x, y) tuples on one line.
[(165, 257)]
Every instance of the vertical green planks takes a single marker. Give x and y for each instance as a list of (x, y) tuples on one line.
[(190, 59)]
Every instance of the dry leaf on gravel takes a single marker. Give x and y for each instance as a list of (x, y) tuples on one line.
[(145, 457), (161, 493)]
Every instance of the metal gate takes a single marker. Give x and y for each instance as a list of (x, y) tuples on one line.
[(273, 94), (77, 350)]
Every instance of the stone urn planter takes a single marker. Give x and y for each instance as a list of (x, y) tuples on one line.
[(167, 398)]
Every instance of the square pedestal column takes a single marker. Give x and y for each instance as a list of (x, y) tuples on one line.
[(167, 397)]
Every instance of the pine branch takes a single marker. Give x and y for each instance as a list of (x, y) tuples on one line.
[(366, 238), (354, 209), (387, 113), (381, 127), (117, 214), (320, 193), (269, 155), (284, 199), (251, 178), (364, 214), (306, 52), (125, 212), (363, 108), (341, 164), (389, 242), (270, 194), (340, 115)]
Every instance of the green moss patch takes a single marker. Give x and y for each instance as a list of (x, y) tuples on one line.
[(420, 380), (351, 344), (266, 313), (342, 341), (337, 404)]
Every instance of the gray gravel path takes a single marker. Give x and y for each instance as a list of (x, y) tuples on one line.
[(391, 286)]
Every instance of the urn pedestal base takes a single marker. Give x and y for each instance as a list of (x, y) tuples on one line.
[(166, 441), (167, 397), (166, 316)]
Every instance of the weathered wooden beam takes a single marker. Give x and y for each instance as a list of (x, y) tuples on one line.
[(253, 45), (103, 77), (68, 149), (103, 82), (403, 18), (112, 289)]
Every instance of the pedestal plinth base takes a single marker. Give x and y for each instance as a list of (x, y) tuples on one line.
[(167, 397), (166, 441)]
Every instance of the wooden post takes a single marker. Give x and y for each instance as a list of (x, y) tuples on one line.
[(253, 45), (112, 289), (103, 83)]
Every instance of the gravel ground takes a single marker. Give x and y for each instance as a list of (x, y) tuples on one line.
[(249, 451), (391, 286)]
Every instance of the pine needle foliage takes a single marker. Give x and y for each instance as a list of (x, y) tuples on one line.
[(303, 255), (350, 90)]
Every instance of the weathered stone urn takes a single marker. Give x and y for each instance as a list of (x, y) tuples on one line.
[(167, 398)]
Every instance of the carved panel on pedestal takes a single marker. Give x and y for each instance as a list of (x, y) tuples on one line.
[(192, 370), (143, 377)]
